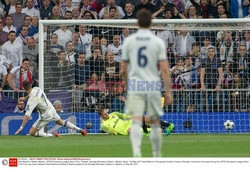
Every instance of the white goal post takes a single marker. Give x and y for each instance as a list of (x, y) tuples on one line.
[(232, 103)]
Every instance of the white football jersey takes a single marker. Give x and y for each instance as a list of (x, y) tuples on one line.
[(39, 100), (143, 50)]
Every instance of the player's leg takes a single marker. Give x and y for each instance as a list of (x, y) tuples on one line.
[(136, 106), (38, 129), (154, 112), (169, 126), (68, 124)]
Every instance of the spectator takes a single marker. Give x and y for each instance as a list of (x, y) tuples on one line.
[(23, 36), (188, 4), (116, 48), (129, 11), (65, 6), (3, 35), (211, 77), (111, 3), (54, 46), (70, 54), (111, 68), (204, 48), (78, 47), (166, 36), (18, 16), (161, 7), (27, 22), (10, 7), (124, 35), (104, 44), (227, 48), (9, 24), (183, 44), (82, 72), (239, 8), (13, 51), (85, 6), (212, 9), (113, 12), (30, 9), (192, 13), (64, 35), (118, 98), (85, 38), (63, 73), (201, 8), (58, 106), (96, 62), (75, 13), (227, 76), (220, 10), (68, 16), (20, 107), (246, 40), (30, 51), (18, 74), (238, 99), (243, 60), (3, 76), (33, 29), (144, 4), (95, 43), (56, 13), (46, 10)]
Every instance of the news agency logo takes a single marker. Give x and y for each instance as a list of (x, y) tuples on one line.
[(4, 162), (134, 85)]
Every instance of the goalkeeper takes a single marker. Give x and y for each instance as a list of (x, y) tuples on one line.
[(117, 123)]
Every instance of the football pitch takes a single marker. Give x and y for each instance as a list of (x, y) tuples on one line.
[(175, 145)]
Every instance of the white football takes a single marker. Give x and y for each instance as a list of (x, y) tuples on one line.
[(229, 124)]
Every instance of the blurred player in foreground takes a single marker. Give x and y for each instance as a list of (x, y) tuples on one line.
[(38, 99), (117, 123), (141, 54)]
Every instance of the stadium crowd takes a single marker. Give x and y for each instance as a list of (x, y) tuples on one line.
[(87, 59)]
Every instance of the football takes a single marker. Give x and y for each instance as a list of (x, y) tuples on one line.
[(229, 124), (88, 125)]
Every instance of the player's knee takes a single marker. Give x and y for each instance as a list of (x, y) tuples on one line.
[(60, 122), (32, 132)]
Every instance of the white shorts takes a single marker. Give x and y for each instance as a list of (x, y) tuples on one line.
[(44, 120), (137, 104)]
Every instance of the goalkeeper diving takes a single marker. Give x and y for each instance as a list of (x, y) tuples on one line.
[(117, 123)]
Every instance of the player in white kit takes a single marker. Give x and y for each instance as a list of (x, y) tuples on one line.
[(38, 99), (141, 54)]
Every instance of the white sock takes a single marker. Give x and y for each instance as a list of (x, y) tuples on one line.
[(70, 125), (41, 133), (136, 138), (156, 139)]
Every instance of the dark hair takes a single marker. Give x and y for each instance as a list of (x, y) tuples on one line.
[(144, 17), (25, 59), (26, 85), (12, 32), (112, 7)]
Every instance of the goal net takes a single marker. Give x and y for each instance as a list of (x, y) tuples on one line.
[(79, 67)]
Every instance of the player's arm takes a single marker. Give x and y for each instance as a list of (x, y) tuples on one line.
[(11, 83), (164, 65), (31, 104), (125, 61), (124, 72), (25, 120), (108, 130)]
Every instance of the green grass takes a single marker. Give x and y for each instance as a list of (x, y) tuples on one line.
[(177, 145)]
